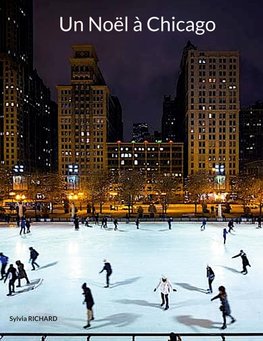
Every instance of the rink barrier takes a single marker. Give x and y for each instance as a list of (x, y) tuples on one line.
[(133, 219), (92, 336)]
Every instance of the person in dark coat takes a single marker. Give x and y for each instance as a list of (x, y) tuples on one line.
[(210, 276), (4, 261), (170, 219), (224, 234), (225, 307), (28, 224), (33, 256), (115, 222), (21, 273), (12, 276), (137, 223), (245, 261), (108, 269), (23, 226), (259, 222), (202, 228), (76, 222), (88, 299), (230, 226)]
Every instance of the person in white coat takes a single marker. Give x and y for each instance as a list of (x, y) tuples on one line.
[(165, 288)]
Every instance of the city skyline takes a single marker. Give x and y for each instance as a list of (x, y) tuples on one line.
[(147, 62)]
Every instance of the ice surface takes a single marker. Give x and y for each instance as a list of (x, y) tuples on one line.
[(138, 258)]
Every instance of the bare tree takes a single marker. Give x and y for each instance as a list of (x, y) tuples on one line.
[(131, 183), (166, 187), (47, 187), (199, 185), (5, 182), (97, 186), (243, 186)]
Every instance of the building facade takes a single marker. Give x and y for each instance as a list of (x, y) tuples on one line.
[(251, 135), (24, 99), (88, 117), (149, 158), (208, 93), (169, 119)]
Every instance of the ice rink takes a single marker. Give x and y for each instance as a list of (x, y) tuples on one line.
[(68, 258)]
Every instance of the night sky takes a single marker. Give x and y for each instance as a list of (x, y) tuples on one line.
[(140, 68)]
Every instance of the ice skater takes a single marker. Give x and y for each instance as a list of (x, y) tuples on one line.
[(210, 276), (202, 227), (28, 224), (108, 269), (104, 223), (224, 234), (230, 226), (87, 222), (225, 307), (33, 256), (137, 223), (12, 276), (88, 299), (115, 222), (170, 219), (259, 222), (21, 273), (4, 262), (245, 261), (165, 288), (23, 226), (76, 222)]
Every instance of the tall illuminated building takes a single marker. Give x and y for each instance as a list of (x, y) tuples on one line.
[(25, 105), (88, 118), (208, 99)]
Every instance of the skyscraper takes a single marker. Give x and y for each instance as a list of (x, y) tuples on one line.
[(24, 99), (251, 134), (140, 132), (208, 97), (88, 117), (169, 119)]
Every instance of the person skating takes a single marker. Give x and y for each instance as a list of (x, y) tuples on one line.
[(165, 288), (115, 222), (23, 226), (4, 262), (225, 307), (28, 224), (21, 273), (76, 222), (230, 226), (33, 256), (137, 223), (88, 299), (170, 219), (108, 269), (224, 234), (104, 222), (87, 222), (210, 276), (245, 261), (202, 227), (259, 222), (12, 276)]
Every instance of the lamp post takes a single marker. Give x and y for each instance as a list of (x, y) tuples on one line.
[(20, 199)]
